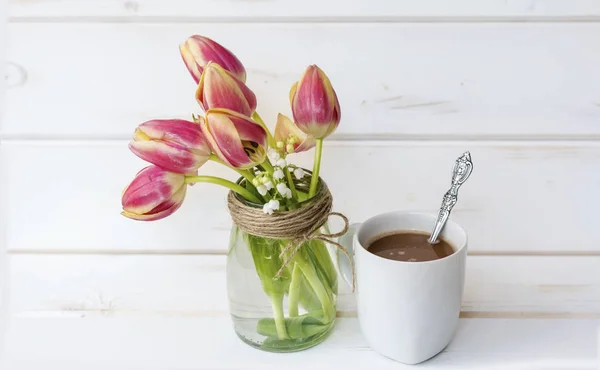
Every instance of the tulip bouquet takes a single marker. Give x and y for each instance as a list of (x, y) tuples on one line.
[(229, 131)]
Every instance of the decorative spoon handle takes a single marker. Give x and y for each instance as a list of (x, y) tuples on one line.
[(460, 173)]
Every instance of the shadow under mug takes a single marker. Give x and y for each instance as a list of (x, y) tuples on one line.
[(408, 311)]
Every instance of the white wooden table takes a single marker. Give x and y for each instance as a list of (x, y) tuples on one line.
[(170, 312), (209, 343), (420, 81)]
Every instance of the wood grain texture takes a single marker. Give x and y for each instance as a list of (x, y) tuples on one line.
[(210, 343), (492, 80), (195, 286), (280, 9), (522, 197), (3, 259)]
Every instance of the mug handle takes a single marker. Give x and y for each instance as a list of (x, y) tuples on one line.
[(347, 241)]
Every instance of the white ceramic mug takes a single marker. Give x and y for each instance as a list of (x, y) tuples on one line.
[(408, 311)]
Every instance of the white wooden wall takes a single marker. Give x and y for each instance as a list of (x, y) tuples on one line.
[(3, 259), (516, 82)]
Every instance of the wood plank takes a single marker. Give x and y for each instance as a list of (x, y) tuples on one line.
[(522, 197), (3, 263), (379, 9), (195, 286), (403, 80), (209, 343)]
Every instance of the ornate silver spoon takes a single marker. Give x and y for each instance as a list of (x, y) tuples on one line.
[(460, 173)]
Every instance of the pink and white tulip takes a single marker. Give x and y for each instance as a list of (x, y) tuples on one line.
[(219, 88), (175, 145), (292, 138), (197, 51), (153, 194), (315, 105), (236, 139)]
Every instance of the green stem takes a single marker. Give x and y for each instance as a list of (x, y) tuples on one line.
[(317, 285), (259, 120), (245, 173), (268, 166), (314, 181), (291, 184), (294, 292), (277, 305), (228, 184)]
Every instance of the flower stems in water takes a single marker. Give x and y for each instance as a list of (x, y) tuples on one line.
[(306, 283), (278, 315), (316, 283), (294, 292)]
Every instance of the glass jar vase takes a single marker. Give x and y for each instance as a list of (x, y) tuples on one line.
[(292, 312)]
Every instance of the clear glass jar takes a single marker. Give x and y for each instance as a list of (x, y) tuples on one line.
[(293, 312)]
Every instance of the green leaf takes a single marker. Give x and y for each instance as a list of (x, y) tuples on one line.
[(303, 326), (320, 257), (265, 253), (251, 188)]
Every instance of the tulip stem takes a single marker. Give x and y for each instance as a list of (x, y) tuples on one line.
[(314, 181), (268, 166), (291, 183), (228, 184), (256, 117), (245, 173)]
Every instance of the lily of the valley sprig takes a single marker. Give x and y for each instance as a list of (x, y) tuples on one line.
[(230, 131)]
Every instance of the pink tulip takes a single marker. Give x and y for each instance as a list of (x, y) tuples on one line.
[(219, 88), (314, 104), (197, 51), (175, 145), (236, 139), (153, 194), (293, 139)]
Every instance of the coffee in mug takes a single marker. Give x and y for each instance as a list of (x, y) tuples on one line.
[(409, 246)]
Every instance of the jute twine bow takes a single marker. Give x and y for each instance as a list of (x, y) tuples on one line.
[(299, 225)]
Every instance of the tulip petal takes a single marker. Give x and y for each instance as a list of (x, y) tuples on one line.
[(170, 156), (190, 62), (285, 127), (151, 187), (162, 210), (174, 145), (185, 133), (293, 90), (247, 128), (225, 140), (218, 88), (197, 51), (314, 103)]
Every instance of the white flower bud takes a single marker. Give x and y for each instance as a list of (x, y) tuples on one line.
[(281, 163), (278, 174), (284, 190), (273, 155), (289, 148), (268, 184), (267, 209), (255, 181), (299, 173), (274, 204), (279, 144), (262, 189)]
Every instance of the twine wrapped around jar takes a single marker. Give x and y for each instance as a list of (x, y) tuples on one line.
[(298, 225)]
